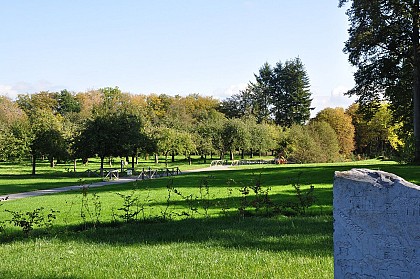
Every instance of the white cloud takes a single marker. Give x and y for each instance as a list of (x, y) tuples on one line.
[(222, 94), (8, 91), (335, 99), (13, 90)]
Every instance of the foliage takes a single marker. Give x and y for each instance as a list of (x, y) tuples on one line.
[(30, 219), (342, 125), (130, 201), (291, 98), (316, 142), (384, 46), (280, 94), (90, 209), (378, 135), (235, 136), (324, 135)]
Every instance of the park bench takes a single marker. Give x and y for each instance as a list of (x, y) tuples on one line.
[(150, 173), (218, 163), (112, 174)]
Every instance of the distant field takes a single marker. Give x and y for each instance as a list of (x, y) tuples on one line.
[(224, 244)]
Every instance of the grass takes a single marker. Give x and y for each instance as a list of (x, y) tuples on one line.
[(221, 246), (16, 177)]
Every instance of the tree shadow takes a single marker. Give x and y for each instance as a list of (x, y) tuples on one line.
[(301, 235)]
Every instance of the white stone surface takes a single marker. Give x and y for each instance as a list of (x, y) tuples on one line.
[(376, 226)]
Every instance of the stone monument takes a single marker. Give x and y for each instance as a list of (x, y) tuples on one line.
[(376, 226)]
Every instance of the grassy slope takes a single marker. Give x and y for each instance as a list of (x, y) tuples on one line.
[(217, 247)]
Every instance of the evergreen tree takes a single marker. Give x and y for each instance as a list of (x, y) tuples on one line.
[(291, 97), (280, 94)]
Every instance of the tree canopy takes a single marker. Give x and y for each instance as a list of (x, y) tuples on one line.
[(384, 46), (279, 94)]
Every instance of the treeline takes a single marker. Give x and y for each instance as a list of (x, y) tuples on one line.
[(63, 126), (107, 122)]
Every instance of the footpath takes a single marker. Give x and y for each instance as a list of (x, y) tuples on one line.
[(93, 185)]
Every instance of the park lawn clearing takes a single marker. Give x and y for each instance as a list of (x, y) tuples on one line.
[(17, 178), (217, 246)]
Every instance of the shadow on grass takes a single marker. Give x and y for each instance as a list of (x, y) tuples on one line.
[(272, 176), (302, 235)]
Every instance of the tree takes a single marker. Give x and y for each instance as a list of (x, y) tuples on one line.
[(238, 105), (313, 143), (112, 134), (262, 90), (291, 97), (384, 46), (299, 145), (280, 93), (342, 125), (325, 136), (172, 141), (14, 131), (46, 126), (209, 130), (235, 136), (67, 102), (375, 136)]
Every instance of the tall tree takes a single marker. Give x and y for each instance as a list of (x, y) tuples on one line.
[(280, 93), (291, 97), (384, 46), (262, 90)]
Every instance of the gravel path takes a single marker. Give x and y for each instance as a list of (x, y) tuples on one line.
[(98, 184)]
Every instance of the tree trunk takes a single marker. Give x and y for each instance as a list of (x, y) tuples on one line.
[(51, 159), (102, 165), (156, 158), (173, 157), (231, 155), (205, 158), (252, 153), (74, 165), (132, 162), (33, 164), (110, 162), (416, 82)]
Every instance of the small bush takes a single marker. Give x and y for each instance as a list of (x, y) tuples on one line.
[(30, 219)]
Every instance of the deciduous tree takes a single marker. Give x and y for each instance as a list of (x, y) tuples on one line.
[(342, 125), (384, 46)]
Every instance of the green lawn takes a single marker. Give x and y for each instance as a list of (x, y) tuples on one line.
[(16, 177), (219, 246)]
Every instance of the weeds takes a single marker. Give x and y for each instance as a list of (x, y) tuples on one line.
[(91, 207), (254, 200), (28, 220), (129, 202)]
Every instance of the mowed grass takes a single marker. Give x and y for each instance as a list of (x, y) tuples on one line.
[(16, 177), (219, 246)]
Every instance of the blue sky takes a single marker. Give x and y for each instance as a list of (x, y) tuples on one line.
[(210, 47)]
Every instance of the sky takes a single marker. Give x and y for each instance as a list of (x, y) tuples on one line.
[(209, 47)]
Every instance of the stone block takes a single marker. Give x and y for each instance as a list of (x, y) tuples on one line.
[(376, 226)]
